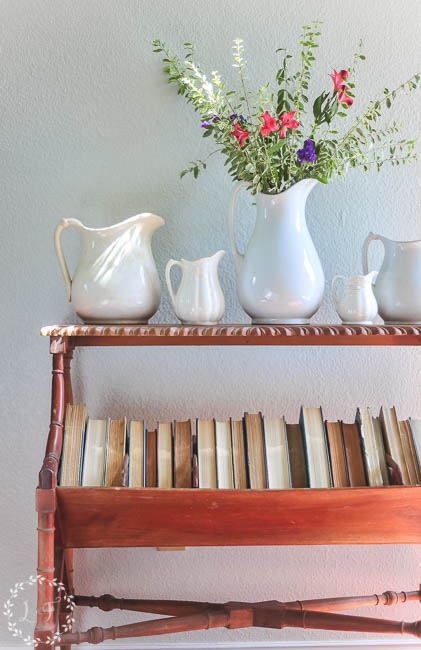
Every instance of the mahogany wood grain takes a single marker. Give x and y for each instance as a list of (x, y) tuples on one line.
[(107, 517), (151, 335)]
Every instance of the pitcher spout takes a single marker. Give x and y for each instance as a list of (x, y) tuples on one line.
[(217, 257), (148, 221), (304, 187)]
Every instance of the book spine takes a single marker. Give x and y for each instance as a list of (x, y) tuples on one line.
[(414, 444), (197, 452), (265, 458), (348, 476), (246, 450), (304, 439), (107, 431), (329, 464), (232, 456), (284, 424), (173, 453)]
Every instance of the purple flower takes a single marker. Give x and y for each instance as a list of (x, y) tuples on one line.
[(216, 118), (308, 153), (205, 124), (234, 116), (242, 118)]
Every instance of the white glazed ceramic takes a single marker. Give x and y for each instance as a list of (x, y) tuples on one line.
[(398, 284), (199, 299), (115, 280), (279, 278), (357, 304)]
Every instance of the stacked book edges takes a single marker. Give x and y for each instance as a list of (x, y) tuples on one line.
[(253, 453)]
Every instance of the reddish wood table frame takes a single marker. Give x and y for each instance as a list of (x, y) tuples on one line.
[(71, 518)]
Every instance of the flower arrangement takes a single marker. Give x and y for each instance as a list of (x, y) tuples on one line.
[(271, 139)]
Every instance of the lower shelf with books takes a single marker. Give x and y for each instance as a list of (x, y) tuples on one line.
[(135, 517)]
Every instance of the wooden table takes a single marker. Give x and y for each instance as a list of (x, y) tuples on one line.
[(71, 518)]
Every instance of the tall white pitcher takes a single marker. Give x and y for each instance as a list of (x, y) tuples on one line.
[(398, 284), (279, 277), (115, 280)]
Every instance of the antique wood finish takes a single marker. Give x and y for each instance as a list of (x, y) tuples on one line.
[(151, 335), (68, 391), (105, 517), (234, 615), (92, 517), (186, 607), (45, 626), (48, 473)]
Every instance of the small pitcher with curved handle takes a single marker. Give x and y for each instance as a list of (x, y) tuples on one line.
[(199, 299), (357, 304), (398, 284), (115, 280)]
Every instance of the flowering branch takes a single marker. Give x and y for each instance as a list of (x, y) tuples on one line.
[(264, 142)]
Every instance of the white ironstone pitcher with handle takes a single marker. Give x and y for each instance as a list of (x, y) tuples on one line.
[(356, 304), (199, 299), (116, 280), (279, 277), (398, 284)]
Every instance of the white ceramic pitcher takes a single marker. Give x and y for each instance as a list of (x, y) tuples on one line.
[(199, 299), (279, 278), (115, 280), (356, 305), (398, 284)]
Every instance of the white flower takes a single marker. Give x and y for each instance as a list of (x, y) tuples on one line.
[(208, 88)]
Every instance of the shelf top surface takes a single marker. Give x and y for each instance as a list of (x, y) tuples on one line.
[(237, 334)]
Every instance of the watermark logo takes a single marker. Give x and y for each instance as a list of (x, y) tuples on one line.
[(19, 621)]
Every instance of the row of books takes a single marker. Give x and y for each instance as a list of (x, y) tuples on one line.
[(256, 452)]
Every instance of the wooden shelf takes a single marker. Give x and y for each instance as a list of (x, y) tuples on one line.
[(117, 517), (79, 517), (146, 335)]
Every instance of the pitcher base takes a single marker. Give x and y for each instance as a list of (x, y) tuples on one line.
[(280, 321), (121, 321)]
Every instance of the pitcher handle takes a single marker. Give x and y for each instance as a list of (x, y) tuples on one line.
[(238, 257), (370, 237), (168, 268), (63, 225), (334, 285)]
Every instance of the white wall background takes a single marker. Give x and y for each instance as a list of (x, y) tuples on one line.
[(90, 129)]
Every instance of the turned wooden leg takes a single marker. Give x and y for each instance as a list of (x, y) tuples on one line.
[(46, 624), (68, 390), (240, 615), (107, 603), (387, 598), (166, 607), (65, 613), (276, 616), (46, 503)]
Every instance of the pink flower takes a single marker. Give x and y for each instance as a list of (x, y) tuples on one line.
[(338, 79), (270, 124), (240, 134), (288, 122), (343, 98)]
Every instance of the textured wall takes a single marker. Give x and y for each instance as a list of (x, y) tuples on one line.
[(90, 129)]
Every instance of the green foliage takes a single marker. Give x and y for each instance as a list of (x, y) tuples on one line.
[(270, 162)]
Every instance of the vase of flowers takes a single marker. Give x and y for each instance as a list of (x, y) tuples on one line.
[(279, 149)]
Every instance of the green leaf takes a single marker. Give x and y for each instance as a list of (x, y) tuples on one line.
[(275, 147)]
